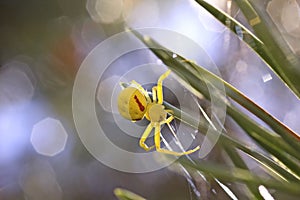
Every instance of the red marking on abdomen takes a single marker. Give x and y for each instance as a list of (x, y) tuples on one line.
[(142, 108)]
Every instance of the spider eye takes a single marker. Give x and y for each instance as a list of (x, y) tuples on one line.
[(132, 104)]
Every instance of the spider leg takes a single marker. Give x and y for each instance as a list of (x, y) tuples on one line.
[(145, 136), (159, 86), (168, 120), (157, 141), (154, 92), (145, 93)]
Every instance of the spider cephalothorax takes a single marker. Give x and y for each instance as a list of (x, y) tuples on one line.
[(134, 103)]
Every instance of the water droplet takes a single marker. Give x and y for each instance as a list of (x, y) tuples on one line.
[(267, 77), (159, 62), (193, 136), (265, 193)]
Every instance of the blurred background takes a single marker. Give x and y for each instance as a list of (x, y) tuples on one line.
[(42, 44)]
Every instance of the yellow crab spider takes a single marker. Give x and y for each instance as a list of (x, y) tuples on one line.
[(134, 103)]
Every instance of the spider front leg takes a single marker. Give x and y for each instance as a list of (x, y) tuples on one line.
[(145, 93), (145, 136), (154, 92), (157, 143), (159, 86)]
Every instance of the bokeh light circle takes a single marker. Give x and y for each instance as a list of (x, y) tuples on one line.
[(84, 94)]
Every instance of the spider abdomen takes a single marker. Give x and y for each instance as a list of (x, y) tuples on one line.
[(132, 104)]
